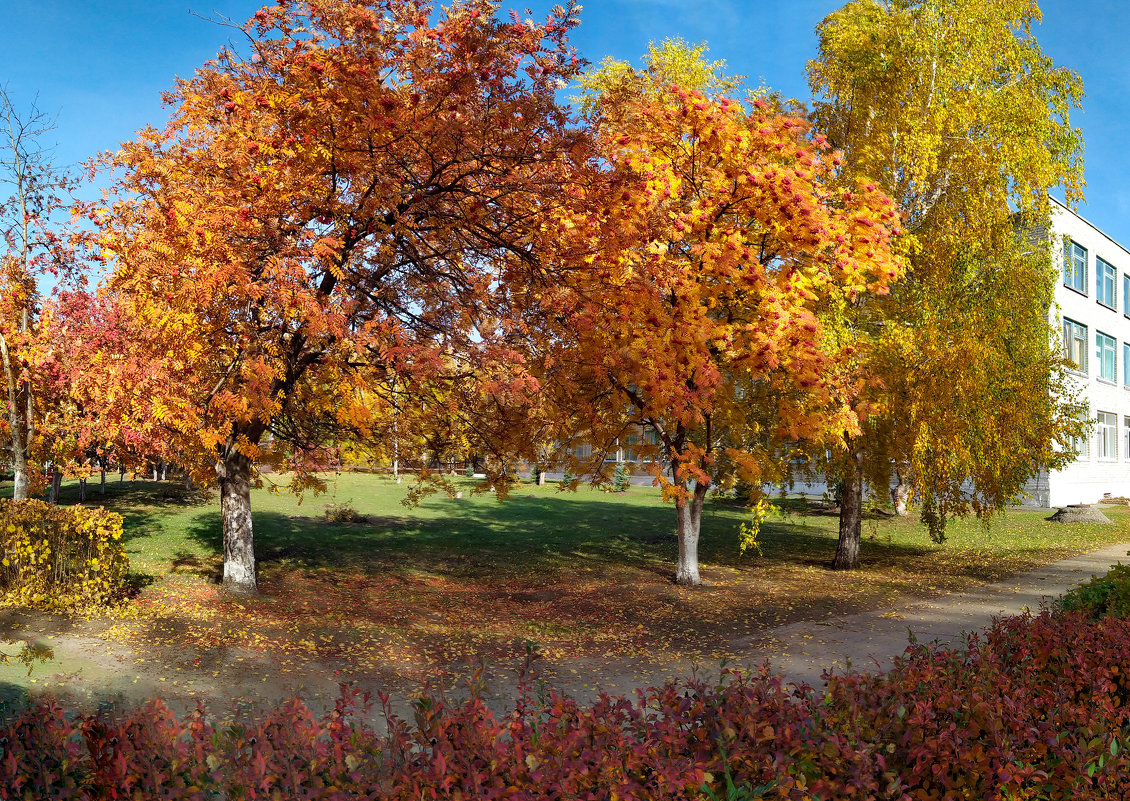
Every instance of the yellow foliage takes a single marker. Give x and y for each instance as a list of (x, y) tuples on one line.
[(59, 558)]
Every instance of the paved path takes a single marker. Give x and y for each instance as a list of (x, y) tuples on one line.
[(873, 639), (870, 640)]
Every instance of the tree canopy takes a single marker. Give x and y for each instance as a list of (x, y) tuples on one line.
[(954, 109), (345, 202)]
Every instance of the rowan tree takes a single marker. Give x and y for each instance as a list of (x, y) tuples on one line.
[(954, 109), (95, 383), (341, 201), (694, 307)]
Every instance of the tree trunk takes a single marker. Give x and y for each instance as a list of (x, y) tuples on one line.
[(164, 471), (22, 479), (82, 490), (235, 510), (56, 485), (102, 480), (689, 511), (900, 494), (155, 476), (851, 514), (121, 474), (17, 432), (188, 485), (541, 478)]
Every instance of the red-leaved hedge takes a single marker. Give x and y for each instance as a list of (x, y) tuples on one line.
[(1035, 708)]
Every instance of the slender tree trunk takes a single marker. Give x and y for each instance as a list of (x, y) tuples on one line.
[(82, 490), (235, 510), (851, 513), (188, 485), (164, 471), (689, 511), (102, 480), (155, 476), (541, 478), (121, 473), (16, 430), (56, 485), (900, 494)]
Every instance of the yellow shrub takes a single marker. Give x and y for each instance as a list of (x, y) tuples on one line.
[(54, 557)]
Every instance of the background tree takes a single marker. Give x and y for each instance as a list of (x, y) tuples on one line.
[(30, 249), (953, 108), (711, 246), (346, 203)]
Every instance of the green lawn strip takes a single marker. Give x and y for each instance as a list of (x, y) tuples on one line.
[(586, 572)]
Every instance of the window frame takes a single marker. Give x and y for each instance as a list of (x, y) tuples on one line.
[(1105, 345), (1081, 446), (1106, 431), (1105, 271), (1071, 331), (1075, 261)]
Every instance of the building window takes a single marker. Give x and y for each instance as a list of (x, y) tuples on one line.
[(1126, 365), (1075, 267), (1126, 295), (1104, 283), (1108, 435), (1075, 344), (1081, 445), (1126, 437), (1104, 351)]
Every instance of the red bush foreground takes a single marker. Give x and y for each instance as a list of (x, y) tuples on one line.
[(1034, 709)]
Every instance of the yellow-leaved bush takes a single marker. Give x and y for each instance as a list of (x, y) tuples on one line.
[(54, 557)]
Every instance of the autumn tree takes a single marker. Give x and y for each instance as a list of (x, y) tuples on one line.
[(689, 326), (94, 384), (31, 250), (954, 109), (342, 200)]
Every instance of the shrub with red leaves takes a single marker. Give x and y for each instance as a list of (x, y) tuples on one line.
[(1035, 708)]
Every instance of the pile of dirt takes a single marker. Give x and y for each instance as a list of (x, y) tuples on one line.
[(1079, 513)]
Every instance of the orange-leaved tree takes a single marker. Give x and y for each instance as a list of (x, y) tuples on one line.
[(691, 323), (342, 201)]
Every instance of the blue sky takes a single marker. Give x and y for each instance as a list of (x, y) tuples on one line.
[(102, 66)]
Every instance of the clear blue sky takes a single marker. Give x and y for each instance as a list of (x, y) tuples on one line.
[(101, 66)]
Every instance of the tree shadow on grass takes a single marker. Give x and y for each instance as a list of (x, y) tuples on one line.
[(523, 535)]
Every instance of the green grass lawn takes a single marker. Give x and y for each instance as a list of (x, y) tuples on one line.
[(584, 573)]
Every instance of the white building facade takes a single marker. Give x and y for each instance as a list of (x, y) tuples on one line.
[(1092, 312)]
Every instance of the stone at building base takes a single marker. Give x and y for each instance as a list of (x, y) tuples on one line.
[(1079, 513)]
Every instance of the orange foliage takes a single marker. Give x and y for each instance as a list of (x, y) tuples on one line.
[(692, 310), (346, 205)]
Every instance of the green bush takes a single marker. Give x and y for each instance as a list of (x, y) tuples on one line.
[(1102, 595), (343, 513), (60, 558)]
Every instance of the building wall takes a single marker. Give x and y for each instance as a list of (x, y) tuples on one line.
[(1094, 474)]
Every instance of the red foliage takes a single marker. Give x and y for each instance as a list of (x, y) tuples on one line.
[(1035, 709)]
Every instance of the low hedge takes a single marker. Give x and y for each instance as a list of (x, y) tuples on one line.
[(1036, 708), (1102, 595), (60, 557)]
